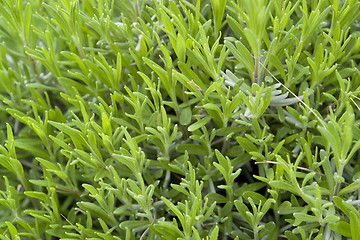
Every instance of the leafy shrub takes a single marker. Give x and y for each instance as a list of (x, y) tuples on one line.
[(181, 119)]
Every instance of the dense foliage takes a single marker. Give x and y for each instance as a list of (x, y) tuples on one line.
[(179, 119)]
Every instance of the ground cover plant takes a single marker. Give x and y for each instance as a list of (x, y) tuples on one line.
[(183, 119)]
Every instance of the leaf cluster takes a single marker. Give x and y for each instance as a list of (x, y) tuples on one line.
[(184, 119)]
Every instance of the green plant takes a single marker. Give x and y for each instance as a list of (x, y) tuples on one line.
[(184, 119)]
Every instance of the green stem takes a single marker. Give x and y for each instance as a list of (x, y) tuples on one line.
[(338, 184), (167, 179), (137, 8), (256, 70), (256, 234)]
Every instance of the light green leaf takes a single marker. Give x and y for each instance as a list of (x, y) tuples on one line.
[(283, 185), (354, 225), (166, 231), (341, 227)]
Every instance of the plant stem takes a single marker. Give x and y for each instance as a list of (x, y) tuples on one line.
[(256, 70), (338, 184)]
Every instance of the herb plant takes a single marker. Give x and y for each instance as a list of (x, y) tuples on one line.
[(180, 119)]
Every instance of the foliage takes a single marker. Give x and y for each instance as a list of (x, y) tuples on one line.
[(183, 119)]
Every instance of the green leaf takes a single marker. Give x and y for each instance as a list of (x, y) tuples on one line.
[(345, 207), (303, 217), (341, 227), (38, 195), (94, 209), (190, 74), (350, 188), (291, 236), (330, 219), (174, 209), (31, 145), (215, 197), (224, 165), (75, 135), (199, 123), (27, 21), (256, 197), (249, 187), (246, 144), (242, 209), (283, 185), (166, 231), (13, 231), (252, 40), (354, 225), (192, 149), (134, 224), (185, 117), (214, 233), (215, 112), (242, 54)]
